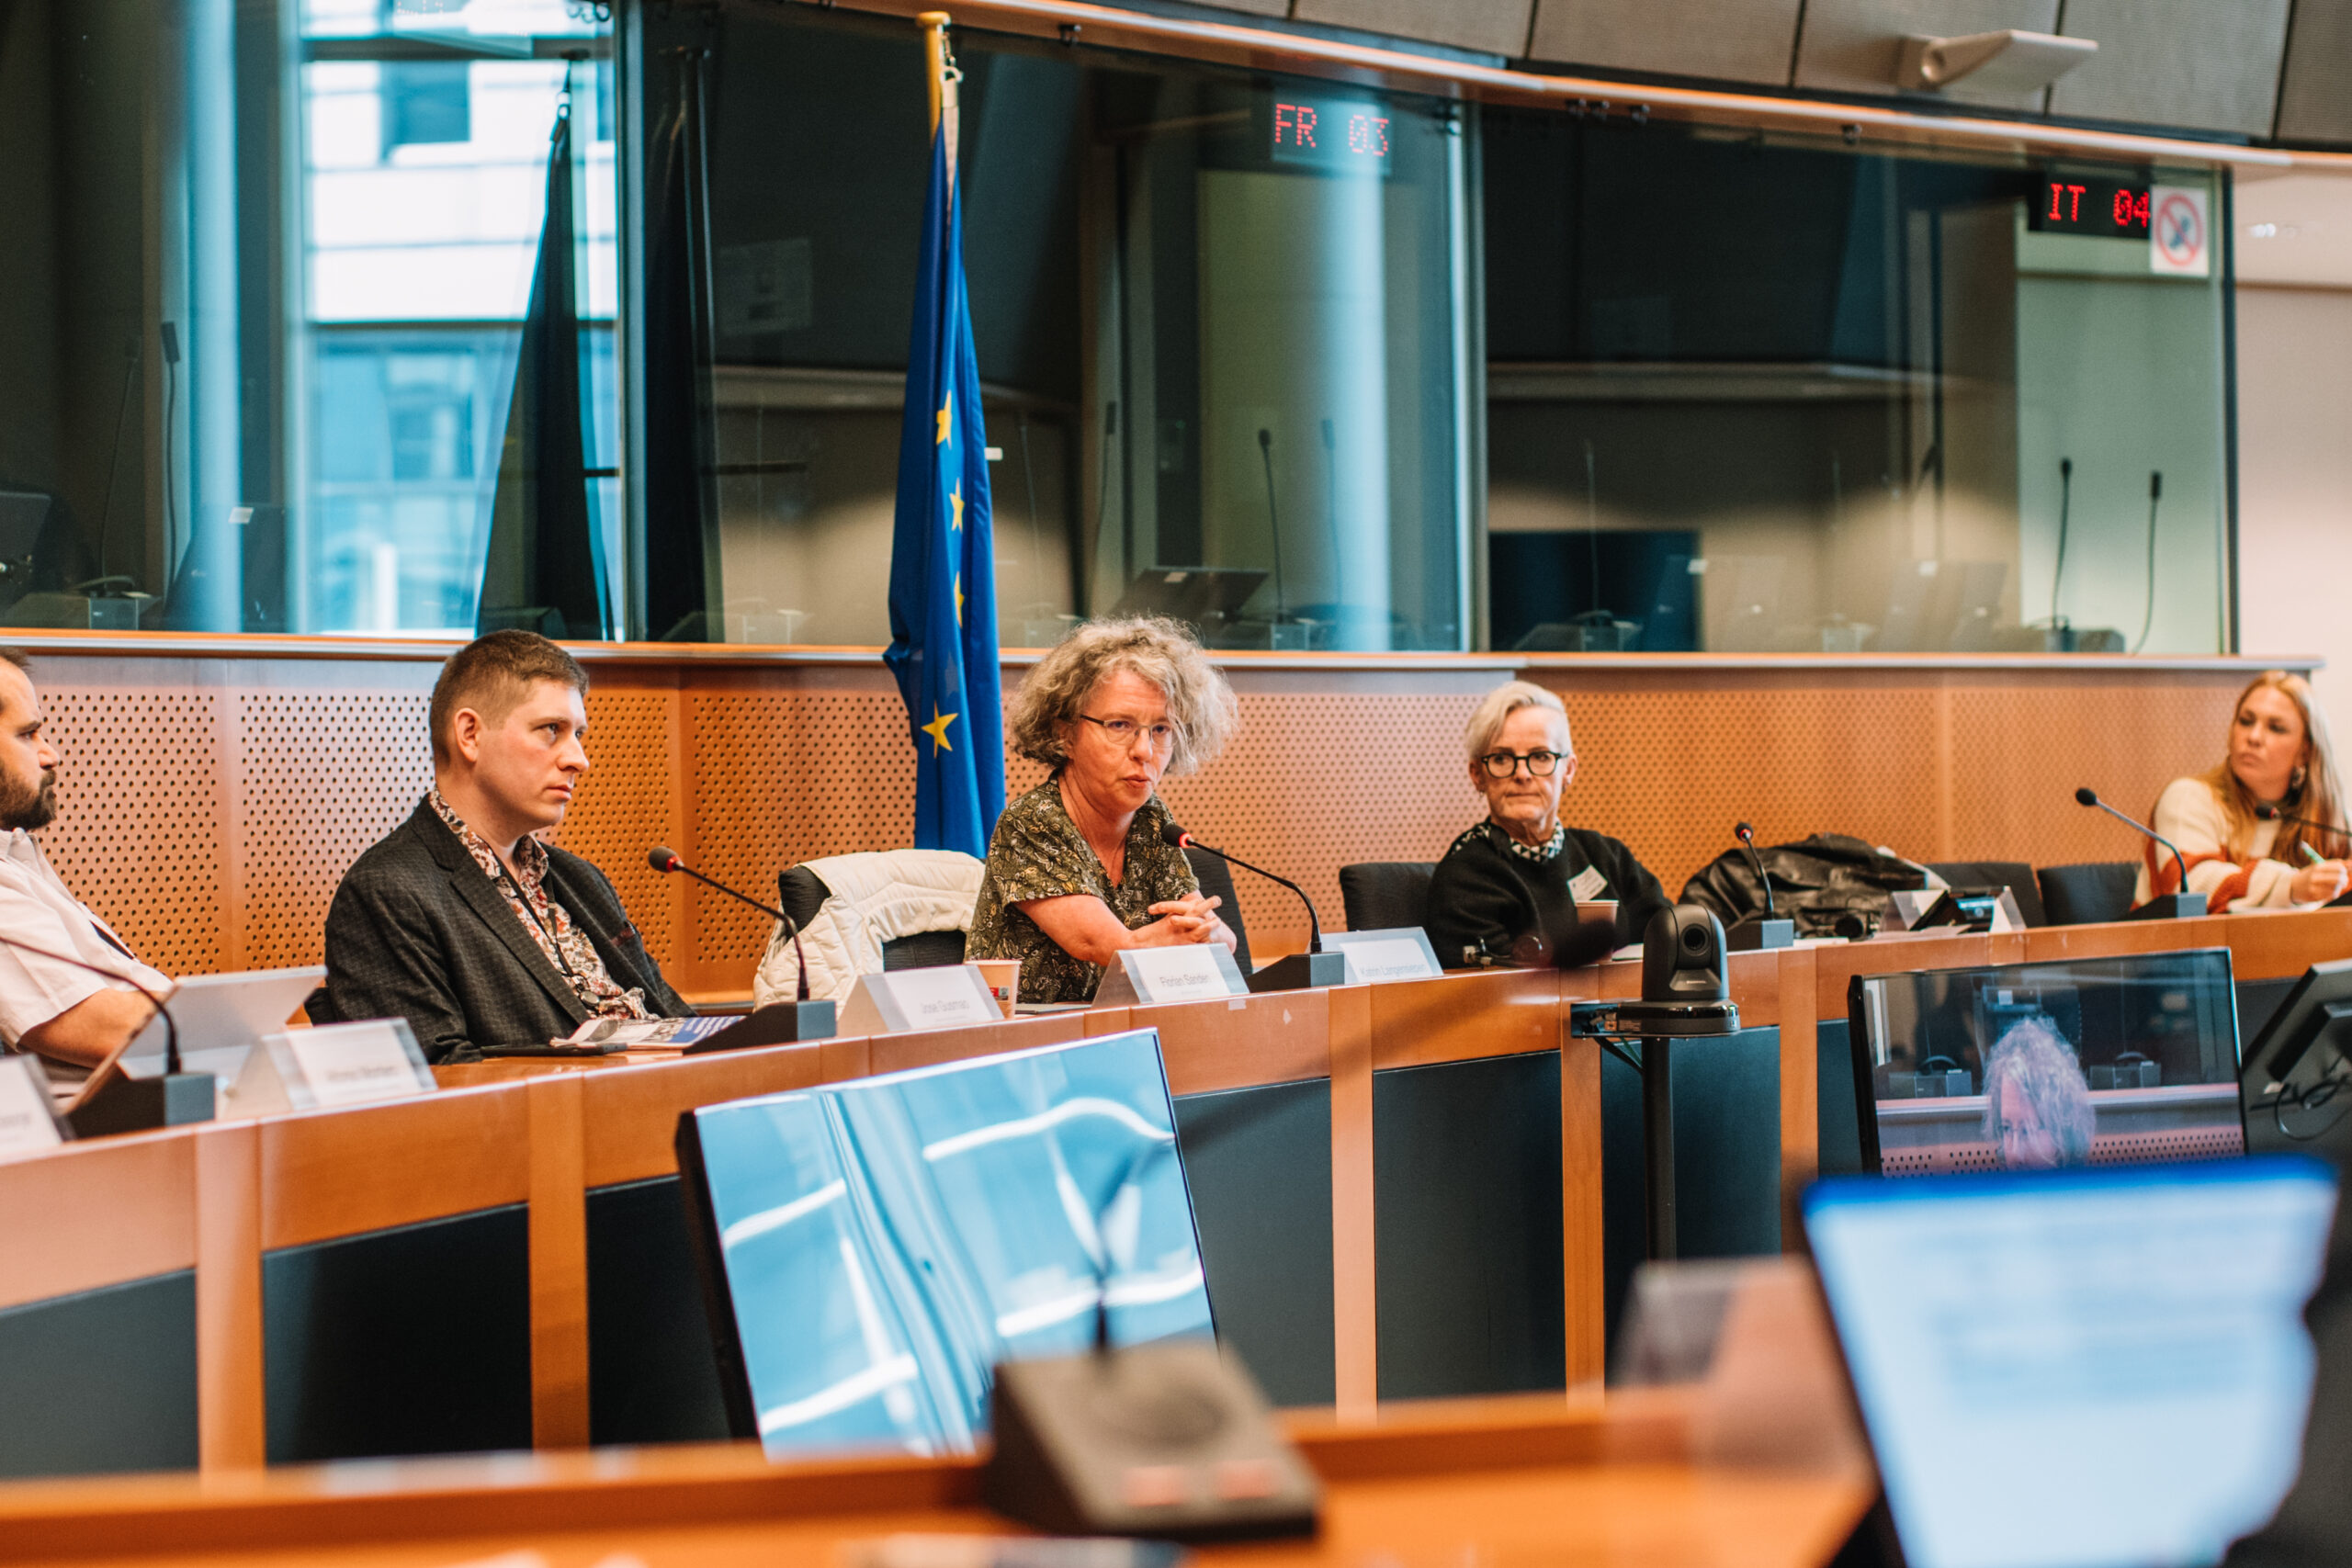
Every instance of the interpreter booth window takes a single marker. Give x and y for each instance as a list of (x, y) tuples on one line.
[(271, 272), (1222, 339), (1749, 393)]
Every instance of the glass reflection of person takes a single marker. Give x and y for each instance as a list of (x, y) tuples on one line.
[(2037, 1106), (2280, 754)]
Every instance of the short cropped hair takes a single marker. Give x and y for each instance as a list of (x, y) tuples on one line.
[(491, 674), (1495, 708), (1200, 704), (16, 657)]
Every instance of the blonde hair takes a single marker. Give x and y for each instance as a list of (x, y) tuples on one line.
[(1151, 648), (1495, 708), (2319, 797)]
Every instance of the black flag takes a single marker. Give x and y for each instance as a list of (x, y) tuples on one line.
[(544, 572)]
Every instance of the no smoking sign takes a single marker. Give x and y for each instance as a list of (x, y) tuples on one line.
[(2179, 238)]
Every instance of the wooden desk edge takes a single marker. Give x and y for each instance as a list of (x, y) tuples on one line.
[(381, 1501)]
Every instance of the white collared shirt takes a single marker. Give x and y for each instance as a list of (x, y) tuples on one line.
[(37, 909)]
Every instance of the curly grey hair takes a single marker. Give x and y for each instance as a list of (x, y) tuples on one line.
[(1200, 704), (2041, 1062)]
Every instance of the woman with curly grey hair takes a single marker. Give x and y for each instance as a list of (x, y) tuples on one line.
[(1076, 869), (2038, 1108)]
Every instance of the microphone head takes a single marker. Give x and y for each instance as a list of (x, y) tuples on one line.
[(1174, 836), (2086, 796), (2267, 813), (2155, 484), (1743, 832), (661, 859), (1265, 437)]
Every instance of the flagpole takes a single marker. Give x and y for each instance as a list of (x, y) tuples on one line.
[(940, 77)]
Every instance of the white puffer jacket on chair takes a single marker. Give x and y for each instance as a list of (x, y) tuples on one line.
[(876, 897)]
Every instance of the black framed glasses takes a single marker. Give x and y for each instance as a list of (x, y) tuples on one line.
[(1124, 730), (1502, 764)]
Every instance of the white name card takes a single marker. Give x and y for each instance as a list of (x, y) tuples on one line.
[(27, 1118), (1156, 975), (952, 996), (1402, 952), (336, 1063)]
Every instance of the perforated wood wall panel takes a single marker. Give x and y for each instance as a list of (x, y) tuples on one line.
[(628, 802), (323, 775), (211, 807), (1317, 781), (142, 811)]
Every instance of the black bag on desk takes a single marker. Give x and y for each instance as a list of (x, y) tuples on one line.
[(1818, 882)]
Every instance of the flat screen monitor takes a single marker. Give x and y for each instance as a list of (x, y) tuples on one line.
[(2081, 1368), (2089, 1061), (2299, 1068), (871, 1250)]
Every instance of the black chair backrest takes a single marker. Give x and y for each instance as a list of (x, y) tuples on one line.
[(1385, 895), (923, 950), (2086, 895), (801, 893), (2016, 877), (1217, 879)]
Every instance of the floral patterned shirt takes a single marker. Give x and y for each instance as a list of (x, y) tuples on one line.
[(1038, 852), (565, 945)]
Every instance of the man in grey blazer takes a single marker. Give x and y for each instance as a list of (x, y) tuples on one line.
[(462, 920)]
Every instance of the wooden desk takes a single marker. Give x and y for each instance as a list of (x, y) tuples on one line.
[(1499, 1481), (538, 1138)]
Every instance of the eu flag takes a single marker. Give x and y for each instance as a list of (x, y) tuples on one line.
[(942, 557)]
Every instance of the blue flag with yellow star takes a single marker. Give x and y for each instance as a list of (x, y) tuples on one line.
[(943, 571)]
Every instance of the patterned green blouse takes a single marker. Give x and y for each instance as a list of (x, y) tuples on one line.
[(1038, 852)]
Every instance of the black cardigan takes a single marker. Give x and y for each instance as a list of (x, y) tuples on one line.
[(1483, 900), (417, 932)]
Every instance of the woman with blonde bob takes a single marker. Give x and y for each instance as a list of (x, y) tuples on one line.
[(1076, 869), (2279, 756), (1506, 891)]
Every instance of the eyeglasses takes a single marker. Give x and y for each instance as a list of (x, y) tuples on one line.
[(1502, 764), (1125, 731)]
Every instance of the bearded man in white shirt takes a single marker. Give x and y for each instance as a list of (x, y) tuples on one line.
[(70, 1017)]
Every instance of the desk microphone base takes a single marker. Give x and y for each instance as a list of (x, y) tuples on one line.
[(778, 1023), (1756, 933), (2171, 907), (140, 1105), (1301, 972)]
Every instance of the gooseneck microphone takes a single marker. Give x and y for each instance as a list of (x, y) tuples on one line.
[(1746, 835), (666, 861), (1177, 838), (2088, 796)]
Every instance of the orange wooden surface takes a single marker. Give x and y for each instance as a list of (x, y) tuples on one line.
[(1355, 1275), (558, 1264), (1538, 1480), (1581, 1229), (1234, 1042), (97, 1213), (1462, 1017), (374, 1167), (231, 1425)]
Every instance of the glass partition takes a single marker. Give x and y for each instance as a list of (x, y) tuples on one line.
[(271, 272), (1749, 394), (1221, 339)]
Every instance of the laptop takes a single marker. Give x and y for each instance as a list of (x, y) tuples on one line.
[(221, 1018), (2101, 1368), (871, 1251)]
